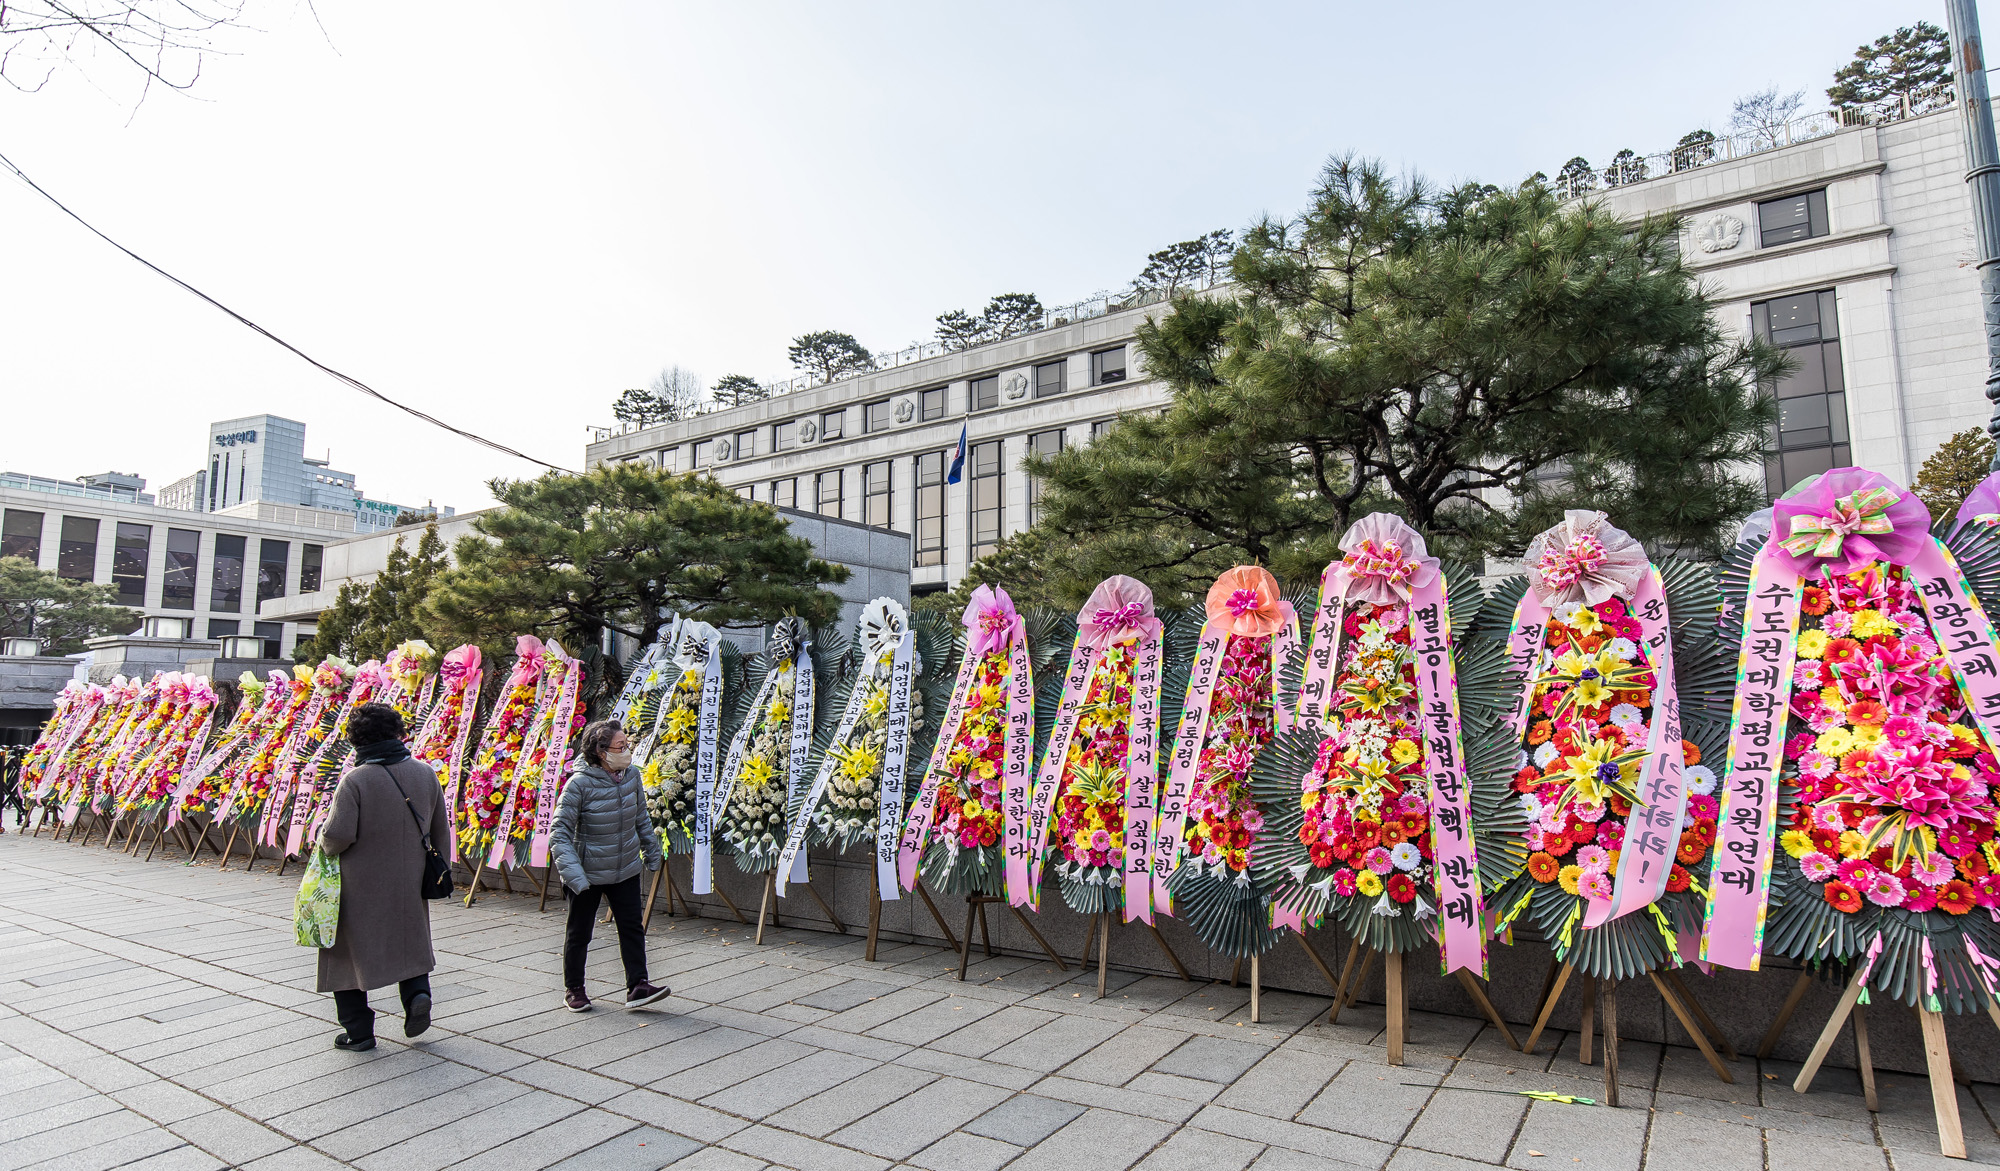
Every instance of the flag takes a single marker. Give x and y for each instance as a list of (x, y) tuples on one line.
[(957, 459)]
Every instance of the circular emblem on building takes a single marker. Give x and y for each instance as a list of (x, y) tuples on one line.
[(905, 410), (808, 431), (1016, 387), (1719, 233), (722, 449)]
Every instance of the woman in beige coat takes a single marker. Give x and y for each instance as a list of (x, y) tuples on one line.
[(382, 812)]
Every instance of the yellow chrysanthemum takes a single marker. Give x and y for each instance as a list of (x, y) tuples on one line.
[(1836, 742), (1852, 844), (1812, 644), (1867, 735), (1369, 883), (1404, 751), (1796, 842), (1869, 623), (985, 768), (1309, 800), (1569, 877)]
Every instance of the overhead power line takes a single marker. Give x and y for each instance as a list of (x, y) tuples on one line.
[(345, 379)]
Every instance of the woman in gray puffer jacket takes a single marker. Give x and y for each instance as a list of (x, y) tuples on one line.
[(601, 842)]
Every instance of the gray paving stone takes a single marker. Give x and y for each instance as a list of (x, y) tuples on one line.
[(903, 1128), (1211, 1059), (231, 1136), (1099, 1140), (1600, 1136), (553, 1143), (789, 1084), (1024, 1119), (1201, 1150), (791, 1150), (828, 1111), (643, 1148), (965, 1152), (1704, 1143)]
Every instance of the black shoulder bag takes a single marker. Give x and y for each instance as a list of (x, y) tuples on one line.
[(436, 882)]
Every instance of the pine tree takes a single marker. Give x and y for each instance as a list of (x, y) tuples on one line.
[(35, 603), (624, 548), (828, 353), (1695, 148), (736, 389), (1905, 64), (1953, 471), (1626, 167), (1012, 313), (959, 330), (1577, 177), (1473, 362), (639, 407)]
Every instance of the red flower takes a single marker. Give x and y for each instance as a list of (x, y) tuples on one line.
[(1679, 879), (1539, 731), (1956, 897), (1543, 867), (1401, 888), (1843, 897), (1815, 601), (1692, 848), (1526, 778), (1843, 650)]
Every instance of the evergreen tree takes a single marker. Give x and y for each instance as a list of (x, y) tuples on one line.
[(736, 389), (1012, 313), (959, 330), (1626, 167), (368, 621), (623, 548), (1906, 63), (1576, 178), (1953, 471), (1472, 363), (638, 406), (1695, 149), (827, 354), (35, 603)]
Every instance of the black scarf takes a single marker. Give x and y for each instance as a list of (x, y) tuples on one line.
[(382, 752)]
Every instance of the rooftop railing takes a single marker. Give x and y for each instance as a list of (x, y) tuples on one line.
[(1702, 149), (1096, 305)]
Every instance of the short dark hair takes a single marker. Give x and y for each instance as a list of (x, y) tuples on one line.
[(372, 723), (596, 738)]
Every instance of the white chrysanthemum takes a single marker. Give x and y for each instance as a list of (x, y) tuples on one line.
[(1566, 613), (1624, 714), (1545, 753), (1406, 856), (1623, 648), (1700, 779)]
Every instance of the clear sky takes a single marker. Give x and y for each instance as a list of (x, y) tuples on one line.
[(504, 213)]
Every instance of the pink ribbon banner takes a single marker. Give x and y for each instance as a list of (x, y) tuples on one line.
[(1461, 907), (1186, 757), (553, 774), (1024, 864), (1018, 755), (1142, 779), (916, 830), (1732, 932)]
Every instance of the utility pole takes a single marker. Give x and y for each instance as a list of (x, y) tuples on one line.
[(1982, 176)]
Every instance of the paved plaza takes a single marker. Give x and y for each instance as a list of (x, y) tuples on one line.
[(158, 1015)]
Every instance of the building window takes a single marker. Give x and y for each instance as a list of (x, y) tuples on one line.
[(986, 393), (830, 425), (670, 459), (1100, 428), (1107, 366), (21, 535), (273, 634), (785, 492), (746, 444), (875, 499), (273, 558), (1795, 217), (785, 436), (183, 558), (826, 492), (876, 417), (929, 546), (1812, 400), (1049, 378), (1040, 443), (311, 557), (225, 583), (129, 559), (930, 405), (224, 627), (988, 502), (76, 557), (747, 491), (214, 476), (702, 453)]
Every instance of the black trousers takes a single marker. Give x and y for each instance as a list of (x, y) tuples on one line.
[(350, 1006), (626, 899)]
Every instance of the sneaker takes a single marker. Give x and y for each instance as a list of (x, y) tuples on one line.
[(576, 1001), (418, 1017), (353, 1044), (643, 994)]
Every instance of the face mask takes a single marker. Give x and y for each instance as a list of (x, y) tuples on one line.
[(618, 762)]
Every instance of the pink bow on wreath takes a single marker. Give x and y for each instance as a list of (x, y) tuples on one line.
[(1585, 559), (1384, 562), (1846, 519), (991, 622), (528, 661), (1245, 599), (1118, 608), (459, 663)]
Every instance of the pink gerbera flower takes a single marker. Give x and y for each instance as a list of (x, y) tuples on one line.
[(1343, 882), (1857, 873), (1931, 870), (1594, 886), (1592, 858), (1377, 859), (1817, 866), (1885, 890), (1903, 731)]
